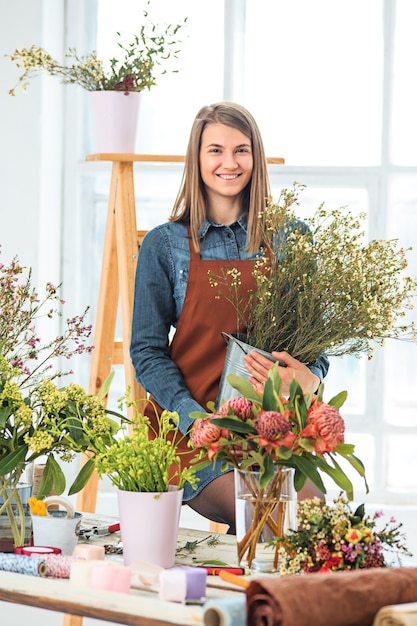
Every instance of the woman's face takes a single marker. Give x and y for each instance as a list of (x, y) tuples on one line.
[(226, 161)]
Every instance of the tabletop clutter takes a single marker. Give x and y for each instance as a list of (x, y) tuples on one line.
[(379, 597)]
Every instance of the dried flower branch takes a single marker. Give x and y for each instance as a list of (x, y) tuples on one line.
[(138, 70), (321, 289)]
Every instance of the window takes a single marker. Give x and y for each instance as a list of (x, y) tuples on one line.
[(331, 87)]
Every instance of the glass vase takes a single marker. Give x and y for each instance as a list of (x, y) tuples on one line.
[(263, 513), (15, 518)]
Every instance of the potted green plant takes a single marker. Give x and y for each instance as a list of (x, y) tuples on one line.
[(38, 418), (115, 87), (145, 467)]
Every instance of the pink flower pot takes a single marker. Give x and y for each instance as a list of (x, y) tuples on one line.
[(115, 117), (149, 525)]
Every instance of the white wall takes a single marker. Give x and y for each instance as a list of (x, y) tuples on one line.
[(30, 131)]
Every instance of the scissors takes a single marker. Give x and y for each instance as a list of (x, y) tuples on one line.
[(99, 531)]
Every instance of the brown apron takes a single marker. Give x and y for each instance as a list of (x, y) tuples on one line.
[(198, 347)]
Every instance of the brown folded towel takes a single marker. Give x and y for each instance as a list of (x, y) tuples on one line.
[(348, 598)]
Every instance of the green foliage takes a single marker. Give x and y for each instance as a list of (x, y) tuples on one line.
[(301, 432), (321, 288), (138, 69), (145, 460)]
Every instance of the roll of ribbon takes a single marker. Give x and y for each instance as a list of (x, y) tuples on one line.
[(58, 565), (88, 551), (61, 502), (179, 584), (21, 564), (81, 571), (40, 550), (115, 578), (229, 611)]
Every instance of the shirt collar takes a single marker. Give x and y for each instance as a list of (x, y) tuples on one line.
[(242, 222)]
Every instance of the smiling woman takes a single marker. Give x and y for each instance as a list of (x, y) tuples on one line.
[(226, 164), (214, 222)]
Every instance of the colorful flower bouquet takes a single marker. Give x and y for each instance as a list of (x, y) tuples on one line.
[(267, 432), (330, 537)]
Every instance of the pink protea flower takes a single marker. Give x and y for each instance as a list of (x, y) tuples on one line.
[(203, 433), (272, 425), (326, 426), (242, 408)]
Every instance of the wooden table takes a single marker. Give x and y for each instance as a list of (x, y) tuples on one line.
[(139, 608)]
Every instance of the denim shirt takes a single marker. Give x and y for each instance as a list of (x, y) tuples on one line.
[(160, 286)]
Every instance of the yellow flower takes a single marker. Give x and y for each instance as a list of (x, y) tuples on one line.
[(353, 536), (37, 507)]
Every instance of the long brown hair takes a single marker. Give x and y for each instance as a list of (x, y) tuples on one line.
[(191, 203)]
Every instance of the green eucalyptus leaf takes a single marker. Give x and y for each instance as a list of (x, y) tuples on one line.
[(299, 480), (243, 386), (267, 472), (57, 474), (46, 485), (345, 448), (360, 512), (339, 477), (211, 563), (320, 392), (268, 401), (200, 464), (197, 415), (9, 462), (5, 413), (83, 477), (338, 400), (234, 424), (307, 466), (105, 387), (356, 464)]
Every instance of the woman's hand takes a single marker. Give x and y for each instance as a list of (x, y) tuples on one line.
[(258, 366)]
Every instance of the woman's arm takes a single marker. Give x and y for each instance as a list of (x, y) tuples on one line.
[(154, 315)]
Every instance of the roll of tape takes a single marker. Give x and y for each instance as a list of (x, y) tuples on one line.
[(81, 571), (88, 552), (115, 578), (40, 550), (225, 611), (58, 565), (63, 502), (21, 564), (182, 583)]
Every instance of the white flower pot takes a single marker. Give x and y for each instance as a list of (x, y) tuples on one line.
[(149, 525), (115, 117)]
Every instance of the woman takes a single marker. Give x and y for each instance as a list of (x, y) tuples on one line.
[(214, 219)]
